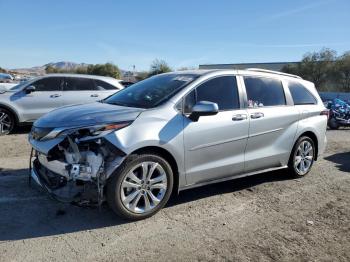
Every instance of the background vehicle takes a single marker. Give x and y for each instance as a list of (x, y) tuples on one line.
[(5, 78), (126, 83), (339, 113), (27, 101), (7, 86), (177, 131)]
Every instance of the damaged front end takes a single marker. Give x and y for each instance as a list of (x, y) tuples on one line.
[(73, 165)]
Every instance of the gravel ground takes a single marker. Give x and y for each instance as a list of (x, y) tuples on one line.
[(266, 217)]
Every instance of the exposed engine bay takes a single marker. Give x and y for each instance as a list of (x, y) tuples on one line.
[(77, 168)]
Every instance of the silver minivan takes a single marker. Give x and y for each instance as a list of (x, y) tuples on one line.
[(177, 131), (27, 101)]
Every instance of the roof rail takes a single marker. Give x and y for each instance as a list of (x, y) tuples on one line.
[(272, 72)]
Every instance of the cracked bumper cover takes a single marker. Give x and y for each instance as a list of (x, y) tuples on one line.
[(36, 177), (44, 146)]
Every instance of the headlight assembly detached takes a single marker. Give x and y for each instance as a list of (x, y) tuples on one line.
[(95, 130)]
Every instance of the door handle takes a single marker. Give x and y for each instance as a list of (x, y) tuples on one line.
[(55, 95), (239, 117), (94, 95), (256, 115)]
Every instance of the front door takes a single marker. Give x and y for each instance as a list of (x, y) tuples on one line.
[(46, 97), (214, 146), (79, 90)]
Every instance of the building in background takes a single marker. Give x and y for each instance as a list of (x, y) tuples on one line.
[(275, 66)]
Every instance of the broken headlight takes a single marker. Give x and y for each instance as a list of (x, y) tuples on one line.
[(94, 130)]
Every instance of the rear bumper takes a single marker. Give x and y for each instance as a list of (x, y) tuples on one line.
[(321, 151)]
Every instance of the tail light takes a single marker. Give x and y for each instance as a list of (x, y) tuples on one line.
[(325, 113)]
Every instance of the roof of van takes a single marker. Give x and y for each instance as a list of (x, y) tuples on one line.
[(240, 71)]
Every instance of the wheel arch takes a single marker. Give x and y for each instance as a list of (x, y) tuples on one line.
[(12, 111), (168, 156), (314, 138)]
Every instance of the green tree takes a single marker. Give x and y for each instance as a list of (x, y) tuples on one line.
[(316, 67), (142, 75), (107, 69), (81, 70), (342, 71), (51, 69), (159, 67), (291, 69)]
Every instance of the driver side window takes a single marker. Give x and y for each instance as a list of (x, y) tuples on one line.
[(220, 90), (48, 84)]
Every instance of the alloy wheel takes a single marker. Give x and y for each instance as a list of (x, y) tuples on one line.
[(304, 157), (144, 187), (5, 123)]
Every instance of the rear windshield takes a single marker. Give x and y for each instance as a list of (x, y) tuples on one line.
[(151, 92)]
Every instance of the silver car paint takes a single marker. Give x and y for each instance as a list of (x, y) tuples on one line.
[(218, 148), (29, 107), (214, 147)]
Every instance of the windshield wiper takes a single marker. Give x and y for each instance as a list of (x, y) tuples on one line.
[(119, 104)]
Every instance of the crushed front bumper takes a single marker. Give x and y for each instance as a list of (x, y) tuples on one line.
[(34, 175), (62, 190), (74, 169)]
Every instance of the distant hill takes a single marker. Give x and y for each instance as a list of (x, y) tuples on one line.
[(66, 65), (63, 65), (40, 70)]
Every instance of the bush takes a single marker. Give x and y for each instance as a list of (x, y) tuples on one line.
[(159, 67), (324, 69), (107, 69)]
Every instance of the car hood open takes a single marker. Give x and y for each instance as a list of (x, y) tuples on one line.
[(87, 114)]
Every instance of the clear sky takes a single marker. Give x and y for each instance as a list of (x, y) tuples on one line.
[(184, 33)]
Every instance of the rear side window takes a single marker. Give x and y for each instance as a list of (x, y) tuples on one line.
[(101, 85), (263, 91), (48, 84), (79, 84), (301, 96)]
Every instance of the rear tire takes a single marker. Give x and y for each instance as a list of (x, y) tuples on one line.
[(333, 124), (7, 122), (140, 187), (302, 157)]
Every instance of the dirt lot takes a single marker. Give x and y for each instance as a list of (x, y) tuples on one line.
[(261, 218)]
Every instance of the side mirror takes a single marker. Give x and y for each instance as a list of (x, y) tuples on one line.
[(29, 89), (203, 108)]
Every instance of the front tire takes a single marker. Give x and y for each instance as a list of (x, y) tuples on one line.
[(140, 187), (7, 122), (302, 157)]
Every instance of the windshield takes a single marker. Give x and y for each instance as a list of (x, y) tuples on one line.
[(152, 91), (19, 86)]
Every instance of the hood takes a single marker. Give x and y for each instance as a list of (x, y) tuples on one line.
[(3, 89), (87, 114)]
